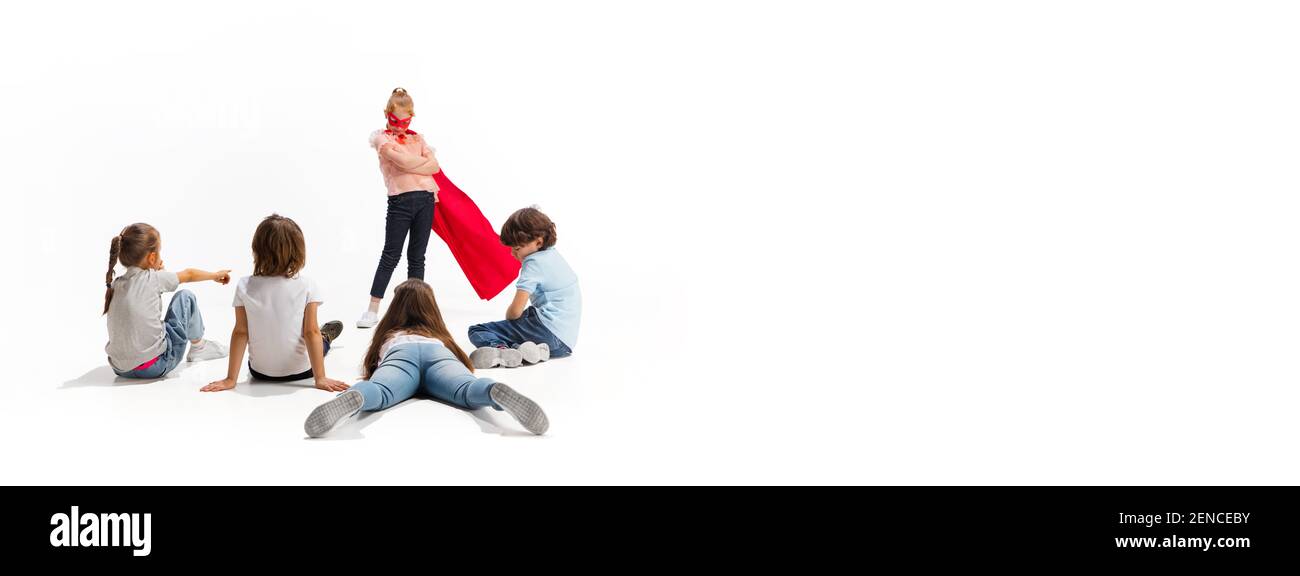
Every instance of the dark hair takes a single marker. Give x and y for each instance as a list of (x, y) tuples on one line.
[(130, 247), (278, 247), (414, 310), (527, 225)]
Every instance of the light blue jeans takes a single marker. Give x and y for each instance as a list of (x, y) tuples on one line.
[(182, 324), (424, 367)]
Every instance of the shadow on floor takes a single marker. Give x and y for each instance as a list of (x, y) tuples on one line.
[(351, 429), (489, 422), (103, 376), (498, 423), (263, 389)]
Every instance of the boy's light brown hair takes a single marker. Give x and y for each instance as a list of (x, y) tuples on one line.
[(279, 248), (527, 225)]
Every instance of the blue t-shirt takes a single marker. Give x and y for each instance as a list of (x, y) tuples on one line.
[(553, 290)]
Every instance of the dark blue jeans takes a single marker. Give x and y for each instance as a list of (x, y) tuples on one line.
[(512, 333), (409, 213)]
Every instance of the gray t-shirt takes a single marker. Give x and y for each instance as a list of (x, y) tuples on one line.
[(135, 328)]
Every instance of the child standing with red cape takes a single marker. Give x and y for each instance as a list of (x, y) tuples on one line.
[(421, 199)]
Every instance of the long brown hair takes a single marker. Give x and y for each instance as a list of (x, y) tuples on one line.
[(414, 310), (131, 246), (278, 247)]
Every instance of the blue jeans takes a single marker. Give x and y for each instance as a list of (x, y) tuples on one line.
[(182, 324), (424, 367), (512, 333)]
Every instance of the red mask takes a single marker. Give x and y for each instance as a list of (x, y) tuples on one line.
[(399, 123), (398, 127)]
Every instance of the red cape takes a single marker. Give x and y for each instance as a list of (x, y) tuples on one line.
[(487, 264)]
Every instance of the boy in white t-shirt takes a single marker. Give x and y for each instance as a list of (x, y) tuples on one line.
[(275, 314)]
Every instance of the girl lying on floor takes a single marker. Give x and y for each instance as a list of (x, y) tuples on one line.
[(412, 351)]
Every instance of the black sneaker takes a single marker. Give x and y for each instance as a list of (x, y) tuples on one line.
[(331, 330)]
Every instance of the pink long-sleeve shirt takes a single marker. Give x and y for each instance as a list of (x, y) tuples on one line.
[(406, 167)]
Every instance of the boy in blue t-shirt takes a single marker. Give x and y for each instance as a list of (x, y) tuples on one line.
[(548, 328)]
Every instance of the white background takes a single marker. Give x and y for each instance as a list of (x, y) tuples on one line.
[(819, 242)]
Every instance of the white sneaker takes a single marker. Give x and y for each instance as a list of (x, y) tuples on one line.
[(485, 357), (368, 320), (490, 357), (207, 350), (533, 353)]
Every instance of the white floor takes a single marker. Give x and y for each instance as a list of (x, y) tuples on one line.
[(82, 424), (829, 242)]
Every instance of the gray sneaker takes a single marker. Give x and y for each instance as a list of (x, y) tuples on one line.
[(527, 412), (328, 415)]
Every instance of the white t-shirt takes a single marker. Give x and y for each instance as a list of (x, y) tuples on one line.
[(402, 337), (275, 306)]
